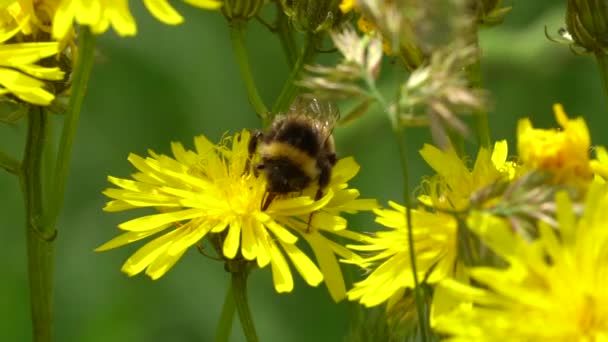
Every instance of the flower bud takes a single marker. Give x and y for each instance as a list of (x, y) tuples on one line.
[(241, 9), (313, 15), (587, 23), (488, 12)]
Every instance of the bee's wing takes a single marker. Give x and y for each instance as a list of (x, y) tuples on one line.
[(324, 112)]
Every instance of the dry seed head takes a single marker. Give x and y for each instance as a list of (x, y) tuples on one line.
[(441, 91), (362, 57)]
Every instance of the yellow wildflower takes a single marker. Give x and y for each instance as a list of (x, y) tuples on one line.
[(563, 153), (435, 247), (100, 14), (21, 77), (554, 288), (347, 5), (451, 188), (213, 190)]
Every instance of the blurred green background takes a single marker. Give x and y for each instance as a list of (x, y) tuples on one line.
[(172, 83)]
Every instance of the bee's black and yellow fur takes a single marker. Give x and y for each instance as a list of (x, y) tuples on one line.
[(296, 151)]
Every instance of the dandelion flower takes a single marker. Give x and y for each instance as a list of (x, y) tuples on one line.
[(451, 188), (435, 247), (554, 288), (21, 76), (100, 14), (563, 153), (213, 190)]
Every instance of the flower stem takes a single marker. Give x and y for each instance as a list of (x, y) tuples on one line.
[(82, 71), (398, 130), (481, 123), (285, 33), (226, 318), (418, 290), (290, 89), (9, 164), (239, 289), (602, 62), (39, 236), (237, 27)]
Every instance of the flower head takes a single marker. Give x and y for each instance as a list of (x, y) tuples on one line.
[(451, 188), (435, 247), (562, 153), (100, 14), (554, 288), (213, 191), (21, 77)]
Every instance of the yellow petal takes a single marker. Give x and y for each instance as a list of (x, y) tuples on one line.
[(146, 254), (281, 275), (329, 266), (307, 269), (205, 4), (157, 220), (129, 237), (163, 12)]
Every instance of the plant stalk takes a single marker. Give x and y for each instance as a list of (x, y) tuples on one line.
[(39, 237), (481, 122), (224, 326), (418, 290), (237, 28), (290, 89), (288, 43), (239, 289), (82, 71)]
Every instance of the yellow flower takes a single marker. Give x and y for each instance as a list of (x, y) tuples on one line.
[(20, 76), (554, 288), (213, 190), (26, 16), (451, 188), (435, 247), (563, 153), (347, 5), (100, 14)]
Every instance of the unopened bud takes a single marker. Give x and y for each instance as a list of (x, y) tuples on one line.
[(241, 9), (587, 23), (488, 12)]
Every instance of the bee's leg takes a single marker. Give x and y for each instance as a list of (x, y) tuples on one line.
[(332, 158), (269, 197), (252, 147)]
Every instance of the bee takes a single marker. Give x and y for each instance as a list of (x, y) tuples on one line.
[(298, 148)]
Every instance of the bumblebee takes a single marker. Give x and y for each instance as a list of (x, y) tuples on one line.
[(298, 148)]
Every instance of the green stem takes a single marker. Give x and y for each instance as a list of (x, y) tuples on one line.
[(401, 143), (226, 318), (418, 290), (9, 164), (288, 43), (602, 62), (465, 249), (290, 89), (481, 122), (237, 28), (82, 71), (39, 237), (239, 288)]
